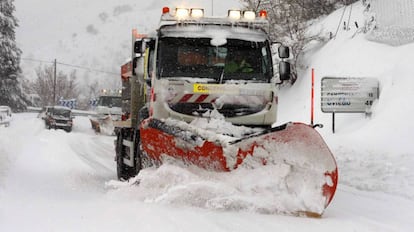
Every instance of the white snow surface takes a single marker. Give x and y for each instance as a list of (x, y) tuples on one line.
[(51, 180), (59, 181)]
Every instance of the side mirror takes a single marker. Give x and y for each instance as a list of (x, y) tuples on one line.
[(284, 70), (138, 47), (283, 52)]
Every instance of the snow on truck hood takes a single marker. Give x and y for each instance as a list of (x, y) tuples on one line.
[(218, 33), (104, 110)]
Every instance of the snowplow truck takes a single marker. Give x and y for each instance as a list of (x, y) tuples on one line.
[(204, 91), (107, 111)]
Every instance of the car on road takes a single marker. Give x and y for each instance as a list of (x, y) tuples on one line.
[(5, 115), (58, 117)]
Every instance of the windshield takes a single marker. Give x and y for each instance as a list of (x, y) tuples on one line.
[(196, 57), (110, 101), (61, 112)]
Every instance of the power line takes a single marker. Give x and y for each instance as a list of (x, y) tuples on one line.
[(70, 65), (36, 60), (86, 68)]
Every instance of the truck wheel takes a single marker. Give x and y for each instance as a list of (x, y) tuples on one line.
[(137, 153), (125, 172), (122, 170)]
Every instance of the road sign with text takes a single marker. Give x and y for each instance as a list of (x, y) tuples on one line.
[(348, 95)]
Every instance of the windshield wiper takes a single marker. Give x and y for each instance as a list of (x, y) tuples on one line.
[(221, 76)]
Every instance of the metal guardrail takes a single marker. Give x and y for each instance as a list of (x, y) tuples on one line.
[(34, 109), (74, 112), (83, 113)]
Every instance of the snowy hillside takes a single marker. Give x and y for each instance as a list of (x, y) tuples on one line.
[(386, 138), (57, 181)]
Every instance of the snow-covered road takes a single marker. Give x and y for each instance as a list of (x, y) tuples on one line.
[(51, 180)]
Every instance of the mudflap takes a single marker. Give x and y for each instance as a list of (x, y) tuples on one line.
[(95, 125), (309, 168)]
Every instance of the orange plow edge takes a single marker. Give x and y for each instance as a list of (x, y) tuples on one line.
[(301, 159)]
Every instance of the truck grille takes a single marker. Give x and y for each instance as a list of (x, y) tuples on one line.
[(61, 121), (228, 111)]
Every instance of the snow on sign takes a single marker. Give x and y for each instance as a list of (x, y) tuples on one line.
[(348, 95)]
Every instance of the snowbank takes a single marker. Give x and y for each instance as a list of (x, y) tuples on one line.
[(372, 153)]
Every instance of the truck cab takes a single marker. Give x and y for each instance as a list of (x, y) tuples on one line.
[(192, 68), (198, 67)]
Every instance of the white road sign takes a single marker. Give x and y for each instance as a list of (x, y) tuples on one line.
[(348, 95)]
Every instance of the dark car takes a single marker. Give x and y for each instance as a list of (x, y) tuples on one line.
[(5, 115), (58, 117)]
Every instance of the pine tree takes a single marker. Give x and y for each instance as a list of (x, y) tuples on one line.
[(10, 91)]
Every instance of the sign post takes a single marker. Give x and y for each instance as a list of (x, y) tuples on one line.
[(312, 95), (348, 95)]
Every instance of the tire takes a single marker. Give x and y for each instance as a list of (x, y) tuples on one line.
[(122, 170), (125, 172), (137, 153)]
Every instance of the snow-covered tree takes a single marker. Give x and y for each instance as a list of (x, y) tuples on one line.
[(10, 91), (289, 20), (66, 86)]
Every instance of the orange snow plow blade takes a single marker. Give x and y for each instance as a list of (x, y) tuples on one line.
[(102, 124), (302, 160)]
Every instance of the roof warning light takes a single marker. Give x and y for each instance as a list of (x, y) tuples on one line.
[(165, 10), (263, 14), (234, 14)]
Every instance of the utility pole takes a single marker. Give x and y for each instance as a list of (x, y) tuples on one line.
[(212, 8), (54, 83)]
